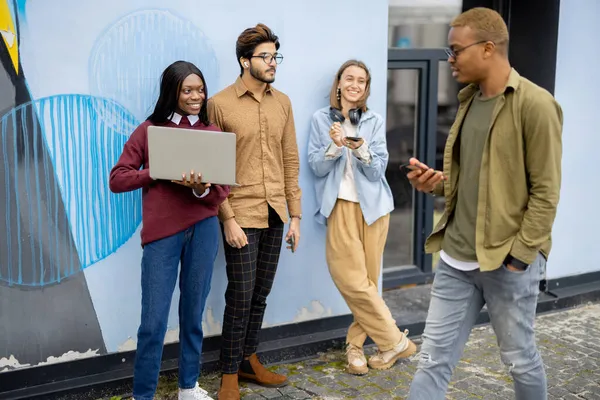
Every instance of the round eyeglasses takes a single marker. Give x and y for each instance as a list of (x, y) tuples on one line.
[(268, 58)]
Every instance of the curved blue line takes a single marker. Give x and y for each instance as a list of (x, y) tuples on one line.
[(85, 136), (18, 219), (7, 216)]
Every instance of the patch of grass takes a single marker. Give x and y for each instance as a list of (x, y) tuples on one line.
[(584, 372), (339, 365), (167, 386), (292, 370), (477, 396), (314, 381)]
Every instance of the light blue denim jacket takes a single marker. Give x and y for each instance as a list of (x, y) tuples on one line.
[(374, 194)]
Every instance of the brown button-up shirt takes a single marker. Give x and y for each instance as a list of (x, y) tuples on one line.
[(267, 154)]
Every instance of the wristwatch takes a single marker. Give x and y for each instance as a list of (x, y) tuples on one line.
[(296, 216)]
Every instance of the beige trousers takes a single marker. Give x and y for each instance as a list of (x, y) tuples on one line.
[(354, 250)]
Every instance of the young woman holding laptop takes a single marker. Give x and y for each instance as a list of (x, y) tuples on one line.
[(179, 226)]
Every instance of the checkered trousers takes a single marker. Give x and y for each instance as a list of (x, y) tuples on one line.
[(250, 272)]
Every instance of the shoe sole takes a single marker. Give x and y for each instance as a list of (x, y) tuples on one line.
[(359, 372), (252, 379), (410, 350)]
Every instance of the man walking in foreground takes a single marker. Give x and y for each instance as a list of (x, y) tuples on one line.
[(501, 183)]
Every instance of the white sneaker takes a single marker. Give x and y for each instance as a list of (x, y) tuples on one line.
[(196, 393)]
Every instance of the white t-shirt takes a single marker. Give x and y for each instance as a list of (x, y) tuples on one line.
[(348, 190), (458, 264)]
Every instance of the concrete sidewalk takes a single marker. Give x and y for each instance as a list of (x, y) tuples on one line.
[(568, 340)]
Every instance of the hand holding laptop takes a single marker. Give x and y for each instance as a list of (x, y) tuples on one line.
[(193, 181)]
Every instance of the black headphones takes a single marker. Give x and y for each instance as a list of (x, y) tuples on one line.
[(354, 114)]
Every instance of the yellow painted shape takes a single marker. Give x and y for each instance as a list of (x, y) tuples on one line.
[(7, 31)]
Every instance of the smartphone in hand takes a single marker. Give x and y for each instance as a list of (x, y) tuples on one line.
[(292, 242), (353, 138), (408, 167)]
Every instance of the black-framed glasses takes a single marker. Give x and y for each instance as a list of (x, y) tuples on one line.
[(267, 58), (455, 53)]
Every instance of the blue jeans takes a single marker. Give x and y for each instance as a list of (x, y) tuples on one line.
[(196, 248), (456, 300)]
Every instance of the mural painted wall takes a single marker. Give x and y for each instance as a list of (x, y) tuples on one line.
[(577, 88), (75, 79)]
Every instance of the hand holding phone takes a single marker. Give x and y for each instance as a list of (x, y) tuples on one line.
[(414, 165), (292, 243), (409, 167), (353, 142), (421, 177)]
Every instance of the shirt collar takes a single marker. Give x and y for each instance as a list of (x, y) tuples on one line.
[(176, 118), (513, 83), (241, 88)]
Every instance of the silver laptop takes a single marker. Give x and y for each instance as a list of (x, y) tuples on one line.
[(173, 151)]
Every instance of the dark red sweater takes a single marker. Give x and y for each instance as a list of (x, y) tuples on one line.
[(167, 208)]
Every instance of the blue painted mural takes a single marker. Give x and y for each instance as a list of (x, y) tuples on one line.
[(81, 150), (85, 136), (129, 56)]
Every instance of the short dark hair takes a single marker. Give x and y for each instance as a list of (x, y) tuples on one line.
[(250, 39), (487, 24), (170, 87)]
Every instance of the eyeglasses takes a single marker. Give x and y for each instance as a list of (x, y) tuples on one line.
[(267, 58), (454, 53)]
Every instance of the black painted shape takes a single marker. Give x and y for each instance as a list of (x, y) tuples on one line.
[(37, 323)]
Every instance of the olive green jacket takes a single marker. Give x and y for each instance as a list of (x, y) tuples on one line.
[(520, 175)]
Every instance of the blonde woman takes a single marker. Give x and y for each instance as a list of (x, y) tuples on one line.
[(347, 152)]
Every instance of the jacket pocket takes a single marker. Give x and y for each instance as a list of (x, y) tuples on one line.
[(500, 227)]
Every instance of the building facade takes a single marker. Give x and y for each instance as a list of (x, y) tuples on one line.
[(77, 78)]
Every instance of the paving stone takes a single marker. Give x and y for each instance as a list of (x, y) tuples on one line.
[(272, 393), (369, 390), (299, 395), (571, 397), (316, 390), (253, 396), (569, 342), (385, 383), (590, 395)]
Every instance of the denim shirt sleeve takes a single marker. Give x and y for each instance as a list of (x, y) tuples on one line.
[(375, 169), (318, 143), (362, 153), (333, 151)]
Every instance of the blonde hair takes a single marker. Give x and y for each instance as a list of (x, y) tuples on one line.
[(487, 24), (333, 100)]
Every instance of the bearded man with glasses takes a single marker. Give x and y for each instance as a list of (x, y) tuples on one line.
[(254, 215)]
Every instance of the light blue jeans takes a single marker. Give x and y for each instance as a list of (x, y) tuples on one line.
[(457, 297)]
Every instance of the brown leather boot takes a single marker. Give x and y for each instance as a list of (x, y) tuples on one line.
[(229, 389), (252, 370)]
